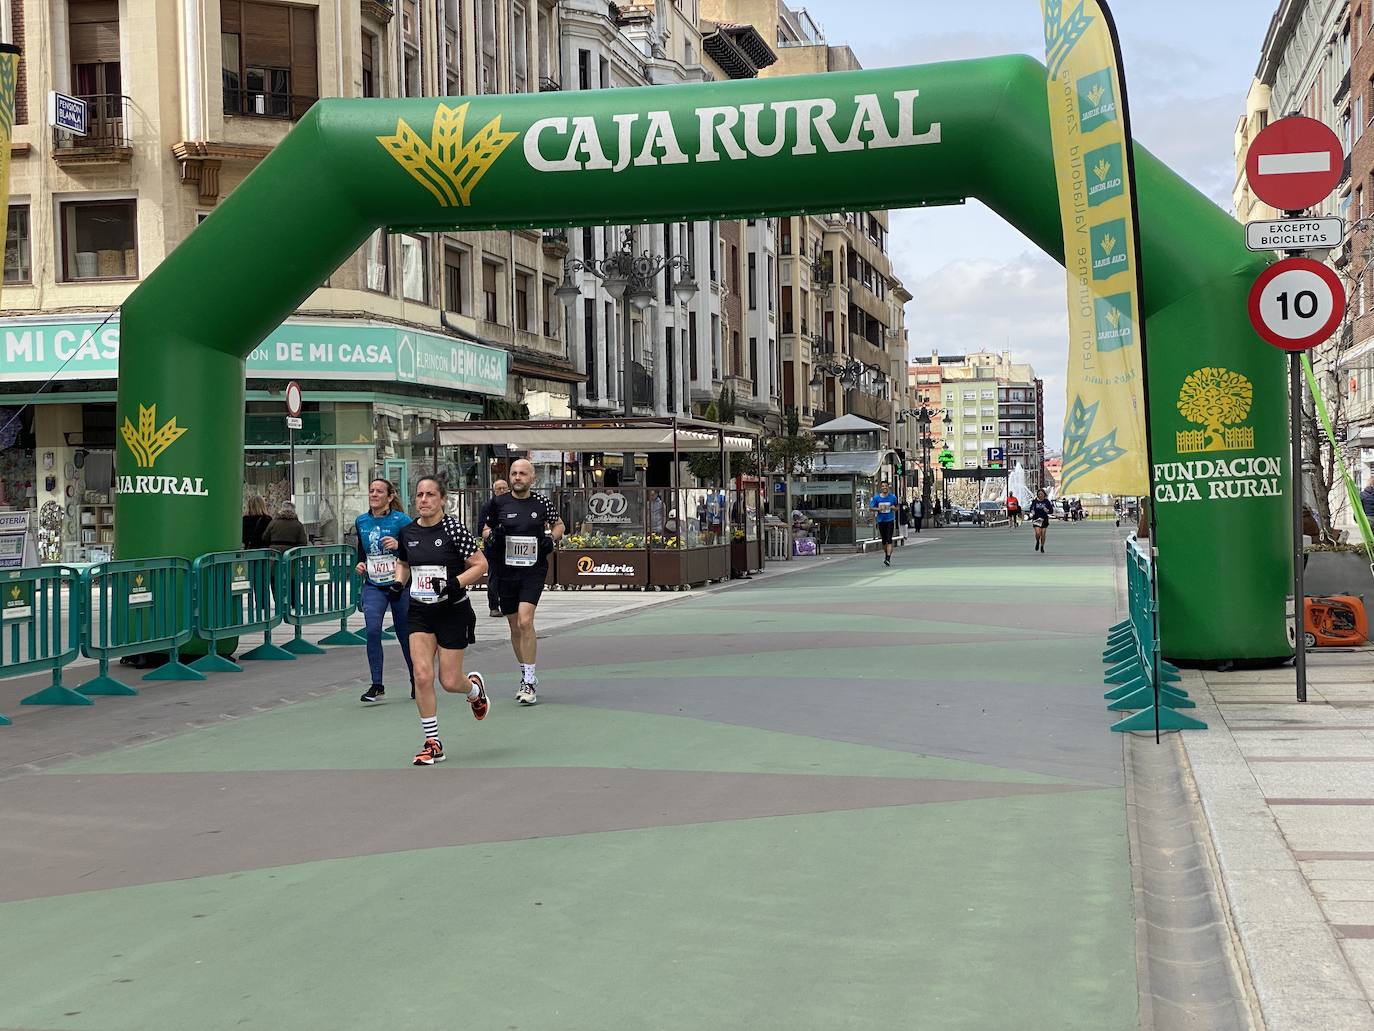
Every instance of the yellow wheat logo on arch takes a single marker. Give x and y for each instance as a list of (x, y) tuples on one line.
[(447, 166), (150, 440), (1216, 399)]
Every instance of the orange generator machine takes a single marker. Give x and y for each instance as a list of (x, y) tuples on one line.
[(1334, 621)]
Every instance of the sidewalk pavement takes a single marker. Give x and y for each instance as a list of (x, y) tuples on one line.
[(1288, 794)]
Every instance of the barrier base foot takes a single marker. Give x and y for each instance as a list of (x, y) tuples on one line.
[(1145, 697), (300, 646), (174, 671), (106, 685), (5, 721), (389, 634), (1130, 687), (267, 652), (213, 662), (1116, 628), (1117, 675), (55, 695), (1168, 720), (343, 637)]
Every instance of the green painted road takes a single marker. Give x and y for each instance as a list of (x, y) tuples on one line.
[(848, 797)]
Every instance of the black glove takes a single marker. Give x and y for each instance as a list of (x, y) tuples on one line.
[(450, 587), (395, 588), (546, 545)]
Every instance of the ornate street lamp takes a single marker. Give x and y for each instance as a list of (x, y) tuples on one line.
[(925, 419), (629, 279)]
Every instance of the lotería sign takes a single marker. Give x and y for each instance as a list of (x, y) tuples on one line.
[(1294, 234)]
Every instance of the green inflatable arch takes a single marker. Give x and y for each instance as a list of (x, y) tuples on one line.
[(889, 138)]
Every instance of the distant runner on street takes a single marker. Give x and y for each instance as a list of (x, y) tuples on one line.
[(378, 531), (1041, 512), (885, 503), (1014, 509)]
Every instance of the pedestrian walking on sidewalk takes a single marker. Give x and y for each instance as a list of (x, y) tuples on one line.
[(918, 511), (1041, 512), (255, 522), (493, 583), (885, 504), (439, 559), (379, 529), (524, 528)]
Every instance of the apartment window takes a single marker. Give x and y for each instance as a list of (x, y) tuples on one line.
[(734, 270), (608, 322), (715, 347), (1359, 202), (670, 376), (550, 309), (754, 363), (270, 59), (736, 358), (753, 283), (377, 258), (519, 50), (99, 239), (605, 77), (490, 274), (522, 301), (588, 244), (589, 346), (692, 246), (455, 281), (369, 65), (970, 395), (1359, 115), (453, 51), (415, 268), (692, 344), (489, 49), (94, 39), (989, 427), (771, 302), (712, 249), (18, 266), (584, 70)]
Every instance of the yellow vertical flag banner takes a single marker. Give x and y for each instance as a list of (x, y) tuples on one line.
[(9, 81), (1105, 441)]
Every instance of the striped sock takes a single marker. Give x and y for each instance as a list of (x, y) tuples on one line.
[(431, 726)]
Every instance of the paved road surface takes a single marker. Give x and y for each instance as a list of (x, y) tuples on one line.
[(850, 797)]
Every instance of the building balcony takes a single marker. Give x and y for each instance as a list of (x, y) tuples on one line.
[(380, 10), (108, 139), (1342, 90), (260, 104), (555, 243), (547, 85)]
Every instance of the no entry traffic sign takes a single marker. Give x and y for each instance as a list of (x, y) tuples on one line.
[(1296, 303), (1294, 163), (293, 399)]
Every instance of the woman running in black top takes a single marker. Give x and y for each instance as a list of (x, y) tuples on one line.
[(1041, 512), (439, 559)]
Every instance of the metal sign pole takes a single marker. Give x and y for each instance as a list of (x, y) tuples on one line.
[(1299, 601)]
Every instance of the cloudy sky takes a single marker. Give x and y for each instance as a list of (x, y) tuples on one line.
[(980, 284)]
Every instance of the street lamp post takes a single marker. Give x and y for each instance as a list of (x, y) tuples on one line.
[(925, 419), (629, 279)]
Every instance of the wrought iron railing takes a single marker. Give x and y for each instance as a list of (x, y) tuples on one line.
[(266, 104), (108, 125)]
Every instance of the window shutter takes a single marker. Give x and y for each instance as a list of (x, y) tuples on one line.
[(94, 31)]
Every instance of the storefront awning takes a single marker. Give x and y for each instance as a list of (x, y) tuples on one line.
[(849, 463), (597, 435)]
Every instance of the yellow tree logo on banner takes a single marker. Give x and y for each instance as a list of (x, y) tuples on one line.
[(148, 442), (447, 166), (1216, 399)]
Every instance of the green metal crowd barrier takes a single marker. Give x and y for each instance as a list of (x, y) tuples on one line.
[(40, 629), (135, 606), (234, 594), (1144, 680), (319, 584)]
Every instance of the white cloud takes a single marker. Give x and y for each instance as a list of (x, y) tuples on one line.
[(983, 304)]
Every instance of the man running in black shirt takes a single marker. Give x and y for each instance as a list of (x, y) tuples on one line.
[(440, 560), (524, 530)]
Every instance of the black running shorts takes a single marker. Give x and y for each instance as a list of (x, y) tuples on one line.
[(454, 626), (520, 585), (885, 531)]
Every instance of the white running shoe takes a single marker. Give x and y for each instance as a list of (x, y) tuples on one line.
[(527, 695)]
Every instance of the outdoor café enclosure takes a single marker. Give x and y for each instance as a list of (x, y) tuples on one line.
[(645, 530)]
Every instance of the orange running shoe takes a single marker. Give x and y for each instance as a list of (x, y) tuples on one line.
[(480, 704), (432, 753)]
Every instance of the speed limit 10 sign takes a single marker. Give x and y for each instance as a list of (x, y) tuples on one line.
[(1297, 303)]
